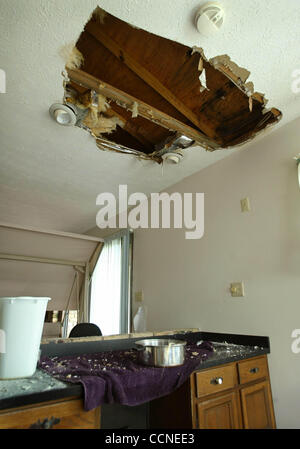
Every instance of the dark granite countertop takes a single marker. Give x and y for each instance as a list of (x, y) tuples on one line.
[(42, 388), (229, 352)]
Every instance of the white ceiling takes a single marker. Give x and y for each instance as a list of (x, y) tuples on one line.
[(50, 175)]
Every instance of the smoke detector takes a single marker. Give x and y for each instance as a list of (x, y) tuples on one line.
[(63, 114), (210, 18)]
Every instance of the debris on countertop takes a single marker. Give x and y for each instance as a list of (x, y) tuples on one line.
[(38, 383), (226, 352)]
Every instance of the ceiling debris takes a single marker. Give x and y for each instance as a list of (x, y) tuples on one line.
[(141, 94)]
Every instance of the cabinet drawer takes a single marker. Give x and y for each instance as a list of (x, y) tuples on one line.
[(215, 380), (59, 415), (252, 370)]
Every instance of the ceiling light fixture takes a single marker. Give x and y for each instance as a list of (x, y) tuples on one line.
[(173, 157), (210, 18), (63, 114)]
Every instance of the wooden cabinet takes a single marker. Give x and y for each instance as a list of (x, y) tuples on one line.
[(65, 414), (231, 396), (215, 380), (219, 413), (257, 407)]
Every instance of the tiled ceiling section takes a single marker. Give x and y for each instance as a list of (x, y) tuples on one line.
[(142, 94)]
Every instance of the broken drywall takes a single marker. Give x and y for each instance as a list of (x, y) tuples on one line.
[(71, 55), (99, 14), (104, 105), (239, 76), (93, 116)]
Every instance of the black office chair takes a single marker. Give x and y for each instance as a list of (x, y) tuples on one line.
[(85, 330)]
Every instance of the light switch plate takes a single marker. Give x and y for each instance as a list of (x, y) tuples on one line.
[(237, 289), (245, 205), (139, 296)]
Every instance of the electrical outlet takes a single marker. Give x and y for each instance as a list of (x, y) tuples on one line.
[(245, 205), (237, 289), (139, 296)]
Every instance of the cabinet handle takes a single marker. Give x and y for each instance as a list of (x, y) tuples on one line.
[(217, 381), (254, 370), (46, 424)]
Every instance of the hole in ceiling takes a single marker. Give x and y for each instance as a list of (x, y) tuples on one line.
[(144, 95)]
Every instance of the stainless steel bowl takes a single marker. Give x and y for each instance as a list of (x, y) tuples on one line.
[(161, 352)]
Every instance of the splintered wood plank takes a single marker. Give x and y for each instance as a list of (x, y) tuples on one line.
[(145, 110), (147, 76), (102, 64), (172, 63)]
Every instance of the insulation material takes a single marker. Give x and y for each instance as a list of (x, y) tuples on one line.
[(95, 105), (102, 125), (72, 56), (102, 103)]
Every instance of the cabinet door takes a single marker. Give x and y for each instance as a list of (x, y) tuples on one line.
[(219, 413), (61, 415), (257, 406)]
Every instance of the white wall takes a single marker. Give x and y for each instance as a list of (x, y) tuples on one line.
[(186, 282)]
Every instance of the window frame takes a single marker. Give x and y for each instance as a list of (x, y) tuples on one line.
[(126, 236)]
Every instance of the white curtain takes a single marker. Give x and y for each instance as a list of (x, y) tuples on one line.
[(105, 305)]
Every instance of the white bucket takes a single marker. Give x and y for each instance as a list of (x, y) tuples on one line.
[(21, 327)]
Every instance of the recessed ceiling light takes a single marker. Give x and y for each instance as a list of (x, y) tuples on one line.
[(173, 157), (63, 114)]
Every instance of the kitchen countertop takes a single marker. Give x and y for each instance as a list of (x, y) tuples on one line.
[(42, 387)]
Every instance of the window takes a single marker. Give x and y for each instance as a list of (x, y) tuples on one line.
[(110, 285)]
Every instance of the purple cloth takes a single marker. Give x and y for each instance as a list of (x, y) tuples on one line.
[(117, 376)]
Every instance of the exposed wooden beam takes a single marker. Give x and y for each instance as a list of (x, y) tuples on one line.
[(130, 128), (145, 75), (144, 110)]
